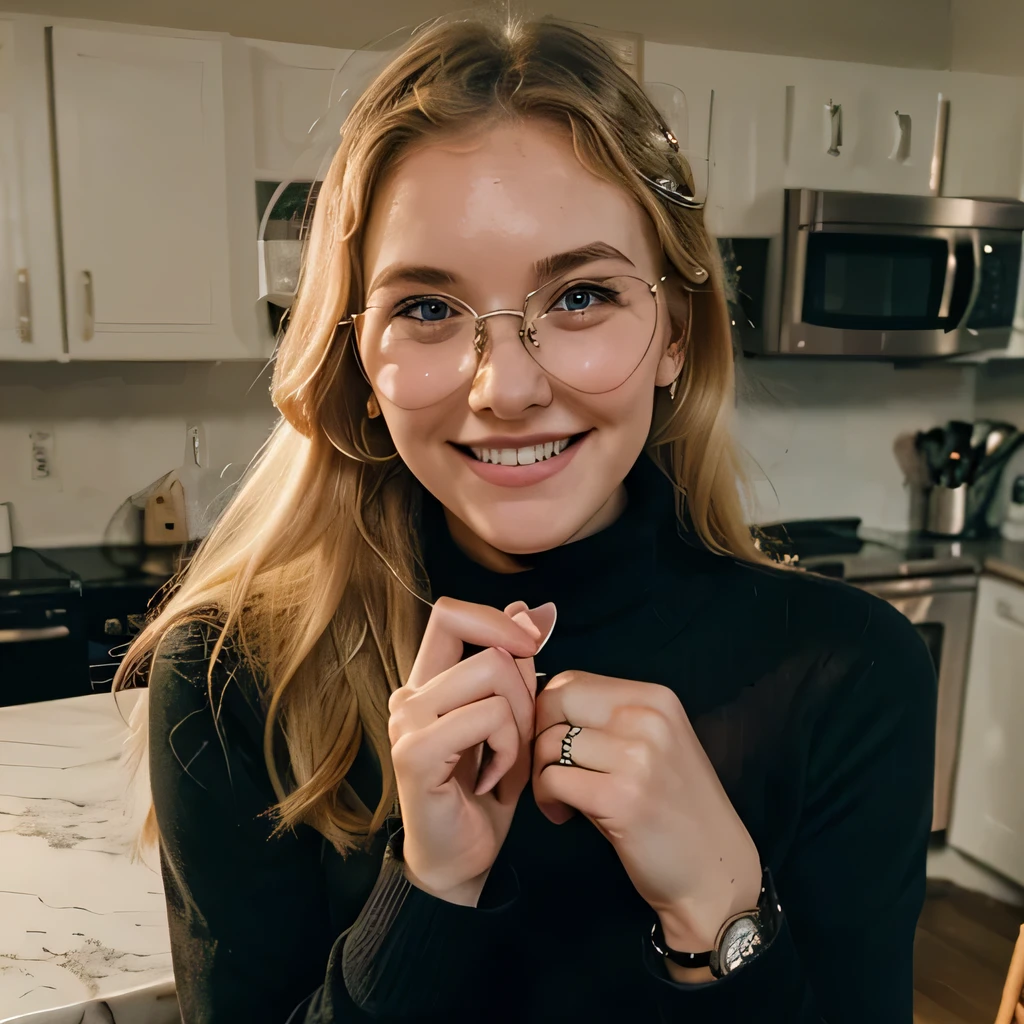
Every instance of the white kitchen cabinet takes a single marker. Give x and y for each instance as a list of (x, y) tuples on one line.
[(985, 140), (987, 820), (293, 86), (31, 326), (154, 180), (875, 155)]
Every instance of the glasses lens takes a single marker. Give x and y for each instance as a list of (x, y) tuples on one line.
[(591, 334), (418, 354)]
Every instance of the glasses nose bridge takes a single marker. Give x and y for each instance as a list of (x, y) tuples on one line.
[(480, 335)]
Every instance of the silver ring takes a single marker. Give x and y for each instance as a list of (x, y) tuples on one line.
[(566, 758)]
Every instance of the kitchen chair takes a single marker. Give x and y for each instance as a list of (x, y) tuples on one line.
[(1011, 1009)]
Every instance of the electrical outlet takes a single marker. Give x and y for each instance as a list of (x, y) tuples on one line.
[(41, 442)]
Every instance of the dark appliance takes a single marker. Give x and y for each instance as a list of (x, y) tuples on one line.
[(43, 647), (891, 277)]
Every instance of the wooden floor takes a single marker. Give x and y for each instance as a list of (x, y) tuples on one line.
[(962, 952)]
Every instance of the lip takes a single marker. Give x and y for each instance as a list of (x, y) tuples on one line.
[(522, 476)]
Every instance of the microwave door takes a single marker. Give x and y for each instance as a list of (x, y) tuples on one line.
[(886, 292)]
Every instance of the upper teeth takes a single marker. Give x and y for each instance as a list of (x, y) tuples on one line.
[(521, 456)]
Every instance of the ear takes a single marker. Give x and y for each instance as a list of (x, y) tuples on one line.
[(672, 358)]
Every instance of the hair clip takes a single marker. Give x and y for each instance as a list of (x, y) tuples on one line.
[(672, 191), (672, 140)]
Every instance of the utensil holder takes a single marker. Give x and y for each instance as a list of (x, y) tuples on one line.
[(946, 514)]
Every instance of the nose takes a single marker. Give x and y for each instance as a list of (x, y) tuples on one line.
[(508, 380)]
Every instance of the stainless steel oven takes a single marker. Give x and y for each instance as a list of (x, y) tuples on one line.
[(896, 277), (942, 609)]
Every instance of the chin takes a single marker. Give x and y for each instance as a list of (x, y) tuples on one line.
[(521, 532)]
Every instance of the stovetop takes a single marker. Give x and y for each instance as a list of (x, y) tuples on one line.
[(58, 570), (843, 548)]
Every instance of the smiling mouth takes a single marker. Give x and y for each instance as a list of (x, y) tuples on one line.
[(527, 456)]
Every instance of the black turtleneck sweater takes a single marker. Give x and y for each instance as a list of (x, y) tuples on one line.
[(814, 701)]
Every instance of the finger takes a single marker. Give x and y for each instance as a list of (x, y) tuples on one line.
[(559, 791), (592, 749), (430, 755), (590, 700), (515, 607), (487, 674), (452, 624)]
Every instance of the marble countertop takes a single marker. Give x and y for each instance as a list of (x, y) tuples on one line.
[(83, 928)]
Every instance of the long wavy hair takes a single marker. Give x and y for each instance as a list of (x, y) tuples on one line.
[(304, 570)]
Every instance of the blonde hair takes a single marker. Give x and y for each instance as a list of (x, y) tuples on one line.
[(294, 570)]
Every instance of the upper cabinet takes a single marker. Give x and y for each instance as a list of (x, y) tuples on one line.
[(985, 139), (863, 129), (293, 88), (145, 172), (31, 326)]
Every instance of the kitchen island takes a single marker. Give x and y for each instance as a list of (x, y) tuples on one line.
[(83, 928)]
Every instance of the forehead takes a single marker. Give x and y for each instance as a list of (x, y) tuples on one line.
[(491, 203)]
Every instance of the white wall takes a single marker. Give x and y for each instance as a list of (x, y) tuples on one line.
[(1000, 392), (117, 428), (820, 434)]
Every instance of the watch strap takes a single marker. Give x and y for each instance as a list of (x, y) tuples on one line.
[(739, 940)]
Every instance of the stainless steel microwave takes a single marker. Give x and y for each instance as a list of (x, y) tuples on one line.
[(894, 277)]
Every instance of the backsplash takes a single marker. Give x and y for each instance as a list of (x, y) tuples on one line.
[(116, 428), (819, 435)]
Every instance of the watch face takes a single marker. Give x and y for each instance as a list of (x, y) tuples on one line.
[(741, 942)]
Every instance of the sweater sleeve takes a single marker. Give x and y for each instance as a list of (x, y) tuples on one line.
[(250, 925), (853, 884)]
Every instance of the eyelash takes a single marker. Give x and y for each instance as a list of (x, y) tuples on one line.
[(418, 300)]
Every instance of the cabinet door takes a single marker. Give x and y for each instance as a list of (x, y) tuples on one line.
[(30, 310), (985, 141), (987, 820), (292, 87), (874, 154), (142, 160)]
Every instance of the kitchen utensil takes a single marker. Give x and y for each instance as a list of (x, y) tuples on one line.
[(979, 438), (932, 445), (947, 511), (957, 453)]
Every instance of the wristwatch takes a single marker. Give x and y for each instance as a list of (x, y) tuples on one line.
[(741, 939)]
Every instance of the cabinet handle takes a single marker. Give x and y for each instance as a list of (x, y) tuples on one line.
[(1005, 612), (89, 321), (938, 165), (24, 306), (21, 636)]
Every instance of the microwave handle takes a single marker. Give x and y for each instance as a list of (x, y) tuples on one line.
[(959, 293)]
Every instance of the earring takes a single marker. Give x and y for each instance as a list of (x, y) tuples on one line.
[(672, 387), (372, 407)]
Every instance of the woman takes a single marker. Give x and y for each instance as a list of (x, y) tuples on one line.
[(730, 763)]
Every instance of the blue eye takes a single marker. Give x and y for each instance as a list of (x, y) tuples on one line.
[(578, 299), (433, 310)]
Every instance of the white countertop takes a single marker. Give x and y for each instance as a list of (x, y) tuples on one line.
[(83, 929)]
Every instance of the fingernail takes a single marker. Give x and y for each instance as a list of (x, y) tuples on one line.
[(525, 622)]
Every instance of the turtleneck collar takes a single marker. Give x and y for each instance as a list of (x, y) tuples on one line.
[(590, 579)]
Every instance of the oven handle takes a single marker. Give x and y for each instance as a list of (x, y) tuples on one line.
[(21, 636)]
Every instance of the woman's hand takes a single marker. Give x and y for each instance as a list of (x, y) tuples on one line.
[(461, 735), (644, 780)]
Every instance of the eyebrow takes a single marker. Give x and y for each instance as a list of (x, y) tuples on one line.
[(545, 268)]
